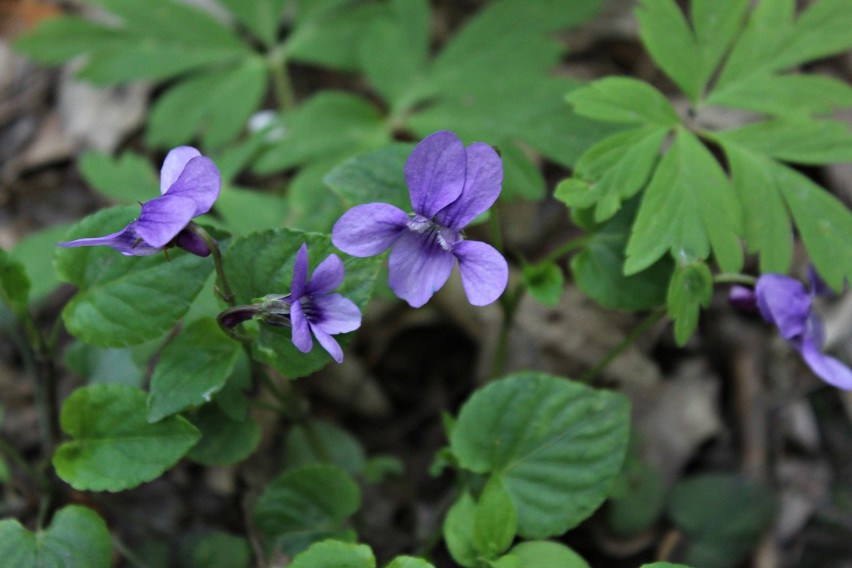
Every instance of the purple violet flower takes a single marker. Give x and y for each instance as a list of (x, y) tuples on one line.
[(189, 185), (449, 186), (312, 308), (784, 302)]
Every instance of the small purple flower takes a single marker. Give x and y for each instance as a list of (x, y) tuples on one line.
[(189, 185), (313, 309), (784, 302), (449, 186)]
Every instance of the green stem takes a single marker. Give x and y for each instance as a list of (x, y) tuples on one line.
[(734, 278), (221, 280), (15, 457), (128, 554), (565, 248), (277, 63), (631, 337), (509, 302), (496, 230)]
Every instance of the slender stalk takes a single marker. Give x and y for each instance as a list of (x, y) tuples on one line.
[(222, 280), (734, 278), (509, 302), (15, 457), (132, 558), (566, 248), (277, 63), (634, 334)]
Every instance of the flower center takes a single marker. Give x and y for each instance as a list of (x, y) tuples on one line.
[(441, 236)]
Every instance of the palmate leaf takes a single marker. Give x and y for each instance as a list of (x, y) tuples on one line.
[(771, 193), (154, 40), (690, 289), (797, 139), (262, 17), (556, 445), (128, 178), (215, 103), (785, 95), (331, 124), (125, 300), (262, 264), (624, 100), (76, 538), (688, 208)]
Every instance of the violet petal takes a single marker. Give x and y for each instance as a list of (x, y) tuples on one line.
[(435, 172), (418, 267), (742, 298), (301, 329), (199, 181), (483, 180), (484, 271), (330, 344), (300, 274), (783, 301), (369, 229), (326, 277), (173, 165), (163, 218), (824, 366), (125, 241), (336, 314)]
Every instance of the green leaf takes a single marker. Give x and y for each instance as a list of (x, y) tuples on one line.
[(458, 531), (716, 24), (215, 104), (640, 502), (624, 100), (723, 514), (823, 222), (245, 210), (339, 447), (598, 268), (305, 505), (409, 562), (522, 178), (114, 447), (544, 281), (14, 284), (613, 170), (688, 207), (557, 445), (56, 40), (76, 538), (766, 222), (35, 253), (261, 17), (764, 37), (331, 124), (224, 440), (191, 369), (108, 365), (262, 264), (664, 565), (666, 35), (820, 31), (337, 554), (395, 50), (125, 300), (785, 95), (795, 139), (311, 205), (128, 178), (376, 176), (691, 288), (495, 520), (547, 554), (218, 549), (329, 33)]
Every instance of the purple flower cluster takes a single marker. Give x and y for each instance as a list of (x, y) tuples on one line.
[(189, 185), (449, 185), (785, 303)]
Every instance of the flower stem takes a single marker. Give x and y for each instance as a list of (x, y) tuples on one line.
[(224, 288), (634, 334), (565, 248), (509, 302), (277, 63), (734, 278)]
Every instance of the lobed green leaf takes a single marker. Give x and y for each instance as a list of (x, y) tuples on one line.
[(14, 284), (128, 178), (690, 289), (624, 100)]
